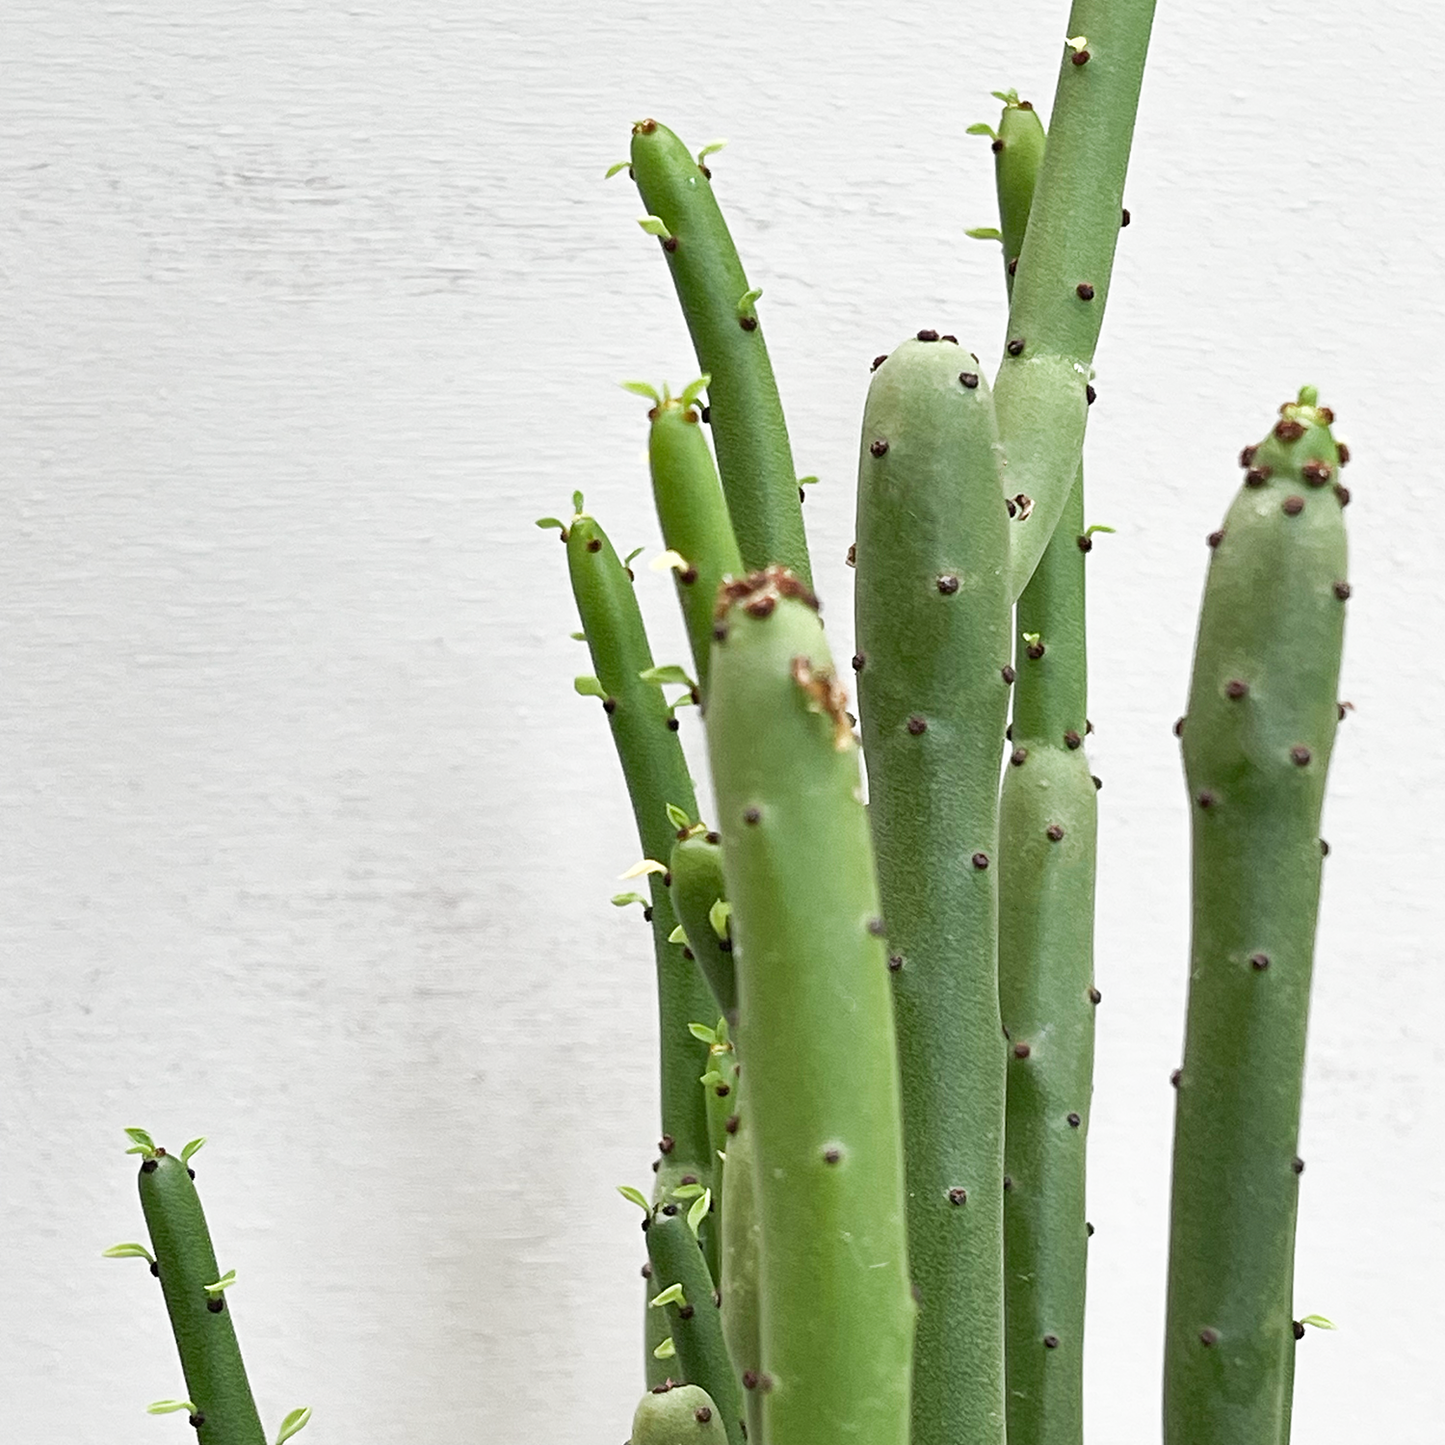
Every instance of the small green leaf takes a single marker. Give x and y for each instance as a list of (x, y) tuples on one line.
[(621, 900), (1077, 43), (635, 552), (985, 233), (611, 171), (224, 1283), (1009, 97), (669, 558), (654, 226), (670, 673), (1031, 638), (634, 1196), (1097, 527), (588, 686), (169, 1407), (128, 1251), (666, 1350), (293, 1422), (807, 481), (143, 1142), (711, 148), (546, 522), (718, 916), (191, 1149), (1318, 1321), (711, 1079), (695, 389), (671, 1295), (702, 1032), (749, 301), (648, 865), (578, 636), (982, 128), (722, 1031), (577, 503), (642, 388), (698, 1212), (677, 817), (677, 936)]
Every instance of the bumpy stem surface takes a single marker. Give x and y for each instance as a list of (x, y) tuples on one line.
[(933, 637), (677, 1415), (820, 1066), (1256, 741)]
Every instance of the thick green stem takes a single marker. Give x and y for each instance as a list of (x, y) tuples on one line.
[(933, 638), (742, 1260), (819, 1060), (753, 454), (1064, 268), (200, 1317), (1256, 741), (697, 890)]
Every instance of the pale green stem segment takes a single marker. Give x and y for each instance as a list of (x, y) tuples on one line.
[(697, 890), (753, 454), (656, 774), (200, 1319), (742, 1257), (1047, 857), (1256, 741), (1062, 278), (1047, 853), (680, 1275), (694, 519), (933, 637), (678, 1415), (835, 1310)]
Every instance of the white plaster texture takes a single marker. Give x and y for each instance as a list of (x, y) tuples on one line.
[(310, 308)]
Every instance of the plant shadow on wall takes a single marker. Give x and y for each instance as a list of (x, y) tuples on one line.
[(877, 1020)]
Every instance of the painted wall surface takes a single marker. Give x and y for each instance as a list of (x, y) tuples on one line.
[(310, 308)]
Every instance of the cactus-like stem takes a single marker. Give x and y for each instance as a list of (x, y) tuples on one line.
[(753, 454), (819, 1059), (933, 639), (643, 730), (1256, 741), (1047, 838), (694, 519), (683, 1286), (1062, 278), (697, 891), (677, 1415), (1047, 851), (200, 1314)]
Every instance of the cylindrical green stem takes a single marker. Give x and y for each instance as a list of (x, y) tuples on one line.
[(753, 454), (1048, 828), (656, 775), (683, 1282), (1018, 154), (819, 1061), (200, 1318), (677, 1415), (933, 639), (1256, 740), (742, 1259), (694, 519), (1062, 278)]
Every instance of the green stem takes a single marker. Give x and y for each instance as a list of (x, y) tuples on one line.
[(753, 454), (1256, 742), (200, 1319)]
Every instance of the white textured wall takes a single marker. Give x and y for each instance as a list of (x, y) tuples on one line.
[(310, 308)]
